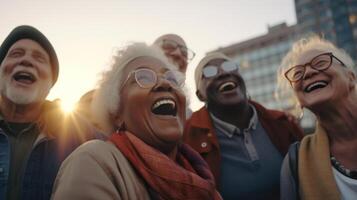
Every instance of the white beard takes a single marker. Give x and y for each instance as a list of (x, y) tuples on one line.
[(23, 96)]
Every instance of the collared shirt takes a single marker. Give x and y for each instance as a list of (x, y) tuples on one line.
[(250, 163), (229, 130)]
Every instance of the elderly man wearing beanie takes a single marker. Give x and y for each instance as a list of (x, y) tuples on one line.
[(243, 142), (35, 136)]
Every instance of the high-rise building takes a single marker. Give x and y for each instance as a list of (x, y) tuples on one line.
[(259, 59), (336, 20)]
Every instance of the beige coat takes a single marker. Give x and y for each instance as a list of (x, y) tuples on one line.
[(98, 170)]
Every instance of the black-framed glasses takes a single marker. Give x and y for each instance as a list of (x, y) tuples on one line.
[(320, 63), (147, 78), (212, 70), (170, 46)]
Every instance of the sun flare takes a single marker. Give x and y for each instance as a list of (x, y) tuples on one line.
[(68, 106)]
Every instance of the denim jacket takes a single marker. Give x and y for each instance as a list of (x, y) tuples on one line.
[(46, 156)]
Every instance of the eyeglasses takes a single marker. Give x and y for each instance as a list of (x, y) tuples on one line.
[(320, 63), (212, 70), (170, 46), (147, 78)]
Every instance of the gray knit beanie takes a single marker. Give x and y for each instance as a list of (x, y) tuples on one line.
[(29, 32), (203, 63)]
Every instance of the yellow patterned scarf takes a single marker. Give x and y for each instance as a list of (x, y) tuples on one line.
[(315, 170)]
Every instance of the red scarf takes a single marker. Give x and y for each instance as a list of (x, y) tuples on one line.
[(187, 178)]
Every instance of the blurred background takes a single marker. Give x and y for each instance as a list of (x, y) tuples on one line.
[(255, 33)]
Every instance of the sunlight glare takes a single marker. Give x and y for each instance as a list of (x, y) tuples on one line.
[(68, 106)]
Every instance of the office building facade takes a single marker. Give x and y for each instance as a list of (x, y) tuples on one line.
[(259, 59), (335, 20)]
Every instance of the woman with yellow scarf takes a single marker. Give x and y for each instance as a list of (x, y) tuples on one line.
[(320, 78)]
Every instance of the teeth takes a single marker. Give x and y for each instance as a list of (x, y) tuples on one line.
[(164, 101), (316, 84), (221, 88), (24, 77), (24, 74)]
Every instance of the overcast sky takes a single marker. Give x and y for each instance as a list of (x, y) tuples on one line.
[(85, 33)]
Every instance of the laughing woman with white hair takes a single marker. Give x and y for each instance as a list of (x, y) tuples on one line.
[(321, 79), (141, 105)]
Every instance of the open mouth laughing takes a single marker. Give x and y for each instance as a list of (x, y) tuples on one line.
[(24, 77), (165, 106), (315, 86), (227, 86)]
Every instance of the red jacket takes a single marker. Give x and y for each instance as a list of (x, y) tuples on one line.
[(200, 134)]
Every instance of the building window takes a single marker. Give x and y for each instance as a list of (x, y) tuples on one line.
[(353, 19)]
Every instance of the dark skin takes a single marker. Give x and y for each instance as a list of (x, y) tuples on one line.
[(226, 105), (162, 132), (229, 114)]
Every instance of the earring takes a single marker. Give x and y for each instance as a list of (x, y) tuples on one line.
[(121, 127), (301, 113)]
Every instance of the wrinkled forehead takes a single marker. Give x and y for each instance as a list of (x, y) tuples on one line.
[(149, 62), (307, 55), (171, 37), (28, 44)]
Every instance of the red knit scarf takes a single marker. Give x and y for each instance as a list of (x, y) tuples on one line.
[(187, 178)]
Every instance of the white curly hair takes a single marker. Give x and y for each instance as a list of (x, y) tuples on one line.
[(312, 42), (106, 99)]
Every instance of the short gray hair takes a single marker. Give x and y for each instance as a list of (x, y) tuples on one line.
[(105, 104), (312, 42)]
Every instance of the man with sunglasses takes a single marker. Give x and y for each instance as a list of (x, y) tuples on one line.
[(176, 50), (243, 142)]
